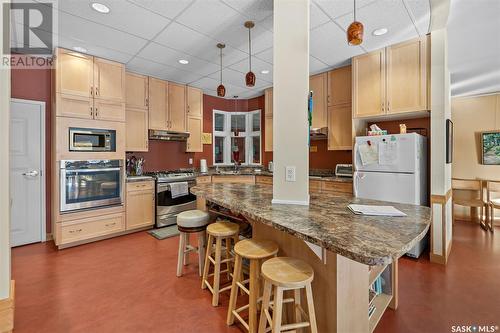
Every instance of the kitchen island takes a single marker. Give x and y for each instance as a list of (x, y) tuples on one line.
[(348, 252)]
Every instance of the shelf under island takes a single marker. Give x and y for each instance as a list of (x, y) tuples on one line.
[(354, 257)]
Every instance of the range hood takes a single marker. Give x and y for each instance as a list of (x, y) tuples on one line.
[(319, 133), (168, 135)]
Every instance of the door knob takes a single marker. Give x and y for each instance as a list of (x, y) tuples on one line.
[(32, 173)]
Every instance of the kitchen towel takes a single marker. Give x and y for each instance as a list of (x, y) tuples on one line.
[(179, 189)]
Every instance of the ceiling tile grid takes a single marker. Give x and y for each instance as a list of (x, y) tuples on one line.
[(150, 36)]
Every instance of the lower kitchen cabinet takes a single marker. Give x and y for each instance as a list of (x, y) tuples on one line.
[(140, 206)]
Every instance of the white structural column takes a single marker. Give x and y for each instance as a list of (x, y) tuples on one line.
[(290, 90), (441, 195), (4, 171)]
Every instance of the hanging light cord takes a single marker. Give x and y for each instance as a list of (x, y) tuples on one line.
[(354, 10), (250, 49), (220, 65)]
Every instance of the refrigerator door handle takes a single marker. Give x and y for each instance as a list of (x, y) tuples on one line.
[(355, 158)]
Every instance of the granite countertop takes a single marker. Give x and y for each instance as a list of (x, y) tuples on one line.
[(327, 221)]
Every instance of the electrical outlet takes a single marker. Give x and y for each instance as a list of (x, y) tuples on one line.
[(290, 173), (190, 161)]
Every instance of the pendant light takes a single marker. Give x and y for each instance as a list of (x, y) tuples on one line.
[(250, 77), (355, 31), (221, 90)]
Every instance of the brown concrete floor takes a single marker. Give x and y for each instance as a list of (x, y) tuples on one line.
[(128, 284)]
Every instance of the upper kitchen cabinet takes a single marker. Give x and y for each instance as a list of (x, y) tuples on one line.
[(136, 110), (177, 107), (392, 80), (194, 119), (339, 86), (340, 134), (137, 92), (368, 82), (158, 104), (88, 87), (318, 85), (74, 73), (407, 76), (268, 119), (109, 80)]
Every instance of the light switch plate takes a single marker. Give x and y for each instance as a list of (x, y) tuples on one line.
[(290, 173)]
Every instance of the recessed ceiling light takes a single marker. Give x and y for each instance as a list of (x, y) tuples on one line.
[(265, 71), (183, 61), (379, 32), (99, 7), (80, 49)]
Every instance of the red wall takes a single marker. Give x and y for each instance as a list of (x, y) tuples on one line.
[(35, 84)]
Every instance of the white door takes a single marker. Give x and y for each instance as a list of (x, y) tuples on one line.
[(26, 167), (394, 187)]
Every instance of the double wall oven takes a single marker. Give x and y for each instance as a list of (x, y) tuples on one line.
[(90, 184)]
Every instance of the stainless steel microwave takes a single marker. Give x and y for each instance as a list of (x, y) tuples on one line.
[(90, 139)]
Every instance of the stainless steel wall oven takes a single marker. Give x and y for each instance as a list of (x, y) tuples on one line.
[(90, 184)]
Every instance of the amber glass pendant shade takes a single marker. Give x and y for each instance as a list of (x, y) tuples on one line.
[(355, 33), (250, 79), (221, 90)]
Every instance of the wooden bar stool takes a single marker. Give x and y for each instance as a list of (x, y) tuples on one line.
[(188, 222), (216, 233), (285, 273), (468, 193), (255, 251)]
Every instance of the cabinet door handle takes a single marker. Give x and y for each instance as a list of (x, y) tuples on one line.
[(383, 106), (75, 230), (95, 111), (110, 224), (91, 91), (91, 112), (188, 109), (147, 102), (388, 106), (97, 91)]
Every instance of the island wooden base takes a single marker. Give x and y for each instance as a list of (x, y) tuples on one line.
[(340, 285)]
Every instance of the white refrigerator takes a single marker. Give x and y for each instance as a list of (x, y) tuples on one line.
[(392, 168)]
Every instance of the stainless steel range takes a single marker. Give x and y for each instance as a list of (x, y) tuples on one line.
[(167, 207)]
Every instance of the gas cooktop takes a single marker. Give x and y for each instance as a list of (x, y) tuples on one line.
[(166, 176)]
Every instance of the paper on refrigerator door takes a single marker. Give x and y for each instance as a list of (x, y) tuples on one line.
[(388, 153), (368, 154)]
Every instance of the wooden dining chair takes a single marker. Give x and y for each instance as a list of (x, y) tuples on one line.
[(493, 202), (469, 193)]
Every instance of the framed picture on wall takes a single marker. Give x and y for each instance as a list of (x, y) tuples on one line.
[(449, 141), (490, 145)]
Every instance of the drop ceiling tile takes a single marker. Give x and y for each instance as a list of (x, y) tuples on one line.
[(96, 34), (328, 44), (209, 17), (339, 8), (186, 40), (317, 18), (266, 55), (169, 73), (236, 35), (166, 56), (421, 12), (123, 15), (209, 84), (95, 50), (316, 66), (390, 14), (231, 77), (257, 66), (254, 10), (167, 8)]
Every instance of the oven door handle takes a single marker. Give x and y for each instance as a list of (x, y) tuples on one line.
[(93, 170)]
